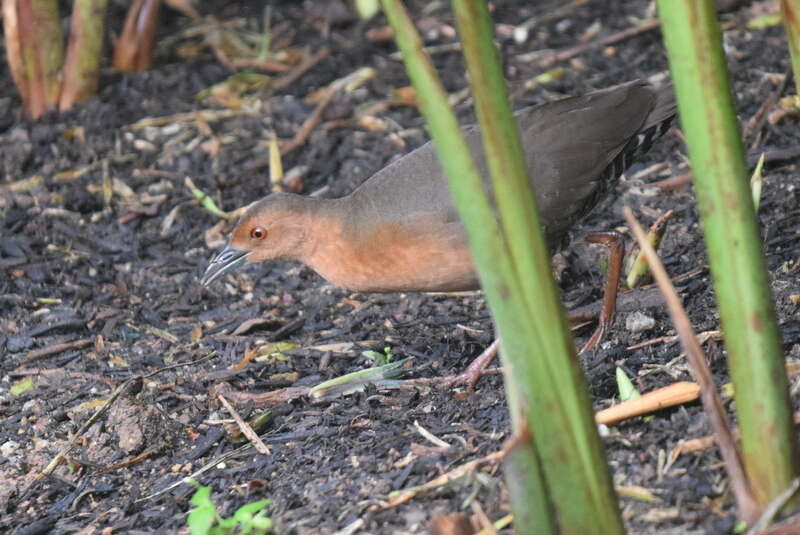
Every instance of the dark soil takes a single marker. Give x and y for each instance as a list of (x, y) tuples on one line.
[(122, 275)]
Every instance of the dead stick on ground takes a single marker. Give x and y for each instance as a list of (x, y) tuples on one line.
[(673, 182), (668, 396), (309, 125), (62, 372), (571, 52), (703, 337), (703, 443), (266, 399), (58, 459), (402, 496), (127, 463), (305, 66), (39, 354), (745, 500), (247, 431), (773, 508), (270, 66), (790, 528), (752, 129), (613, 39), (197, 473)]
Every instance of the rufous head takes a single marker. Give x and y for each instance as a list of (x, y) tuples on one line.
[(274, 227)]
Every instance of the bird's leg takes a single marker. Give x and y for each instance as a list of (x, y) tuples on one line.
[(470, 376), (477, 367), (616, 247), (616, 252)]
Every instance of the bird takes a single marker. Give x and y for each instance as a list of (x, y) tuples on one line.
[(400, 232)]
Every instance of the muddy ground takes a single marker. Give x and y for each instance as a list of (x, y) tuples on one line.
[(116, 280)]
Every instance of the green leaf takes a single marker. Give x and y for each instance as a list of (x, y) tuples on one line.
[(764, 21), (625, 386), (262, 523), (204, 515), (22, 386), (757, 181), (382, 358), (202, 496), (356, 381), (227, 525), (367, 8), (201, 519), (248, 510)]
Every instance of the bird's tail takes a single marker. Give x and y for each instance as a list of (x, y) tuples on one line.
[(660, 119), (656, 125)]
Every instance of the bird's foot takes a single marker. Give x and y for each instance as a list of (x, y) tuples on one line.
[(470, 376), (476, 369)]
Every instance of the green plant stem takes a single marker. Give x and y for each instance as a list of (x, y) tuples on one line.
[(82, 64), (731, 232), (483, 233), (564, 430), (790, 11), (513, 263)]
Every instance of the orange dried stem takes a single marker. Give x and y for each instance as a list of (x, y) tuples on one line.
[(134, 49), (35, 52), (674, 394), (14, 47)]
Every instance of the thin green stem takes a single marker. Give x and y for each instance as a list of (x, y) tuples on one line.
[(730, 226)]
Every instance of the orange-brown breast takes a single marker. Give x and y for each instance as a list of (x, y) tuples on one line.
[(395, 256)]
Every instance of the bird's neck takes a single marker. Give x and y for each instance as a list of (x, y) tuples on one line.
[(329, 228)]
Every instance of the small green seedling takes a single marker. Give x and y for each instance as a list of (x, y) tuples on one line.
[(204, 520), (627, 390), (22, 386), (381, 358), (367, 8), (625, 386), (206, 201), (757, 182)]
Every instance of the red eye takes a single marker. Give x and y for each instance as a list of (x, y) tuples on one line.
[(258, 233)]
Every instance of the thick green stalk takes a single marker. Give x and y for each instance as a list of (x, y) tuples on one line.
[(515, 271), (527, 488), (483, 231), (694, 46), (82, 65), (790, 10), (564, 429)]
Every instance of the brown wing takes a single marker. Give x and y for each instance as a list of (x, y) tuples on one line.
[(576, 148), (570, 146)]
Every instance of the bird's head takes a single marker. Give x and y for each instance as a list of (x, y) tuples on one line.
[(274, 227)]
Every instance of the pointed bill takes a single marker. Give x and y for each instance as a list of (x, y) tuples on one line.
[(226, 260)]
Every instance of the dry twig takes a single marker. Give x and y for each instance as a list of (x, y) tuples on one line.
[(247, 431), (43, 353), (674, 394), (309, 125), (300, 70), (571, 52)]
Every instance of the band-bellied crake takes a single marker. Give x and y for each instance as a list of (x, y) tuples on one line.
[(399, 231)]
